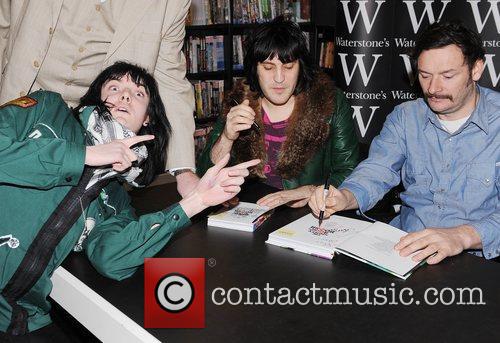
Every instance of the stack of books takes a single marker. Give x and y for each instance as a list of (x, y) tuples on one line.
[(208, 96), (258, 11), (204, 53), (208, 12)]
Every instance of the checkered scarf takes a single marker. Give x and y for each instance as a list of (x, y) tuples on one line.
[(102, 129)]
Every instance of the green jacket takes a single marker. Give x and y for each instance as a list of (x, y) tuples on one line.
[(42, 155), (321, 140)]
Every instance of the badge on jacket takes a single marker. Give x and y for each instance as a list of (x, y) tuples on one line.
[(24, 102), (10, 241)]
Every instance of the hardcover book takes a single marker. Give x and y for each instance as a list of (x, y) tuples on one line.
[(371, 243), (244, 217)]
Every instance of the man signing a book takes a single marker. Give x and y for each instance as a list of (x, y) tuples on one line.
[(444, 147)]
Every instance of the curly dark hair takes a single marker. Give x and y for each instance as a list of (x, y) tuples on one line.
[(158, 125)]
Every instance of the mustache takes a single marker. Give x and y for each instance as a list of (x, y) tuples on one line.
[(438, 96)]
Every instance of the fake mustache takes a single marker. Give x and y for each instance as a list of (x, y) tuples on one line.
[(438, 96)]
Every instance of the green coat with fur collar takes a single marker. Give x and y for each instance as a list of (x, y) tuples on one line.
[(321, 140)]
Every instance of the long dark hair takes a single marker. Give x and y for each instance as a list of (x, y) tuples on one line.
[(284, 39), (158, 123)]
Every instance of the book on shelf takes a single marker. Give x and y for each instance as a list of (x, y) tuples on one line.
[(259, 11), (208, 97), (238, 52), (326, 55), (200, 139), (208, 12), (303, 10), (371, 243), (243, 217), (204, 54)]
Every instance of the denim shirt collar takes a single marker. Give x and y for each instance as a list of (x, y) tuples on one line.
[(479, 116)]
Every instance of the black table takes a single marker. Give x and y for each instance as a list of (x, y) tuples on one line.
[(244, 260)]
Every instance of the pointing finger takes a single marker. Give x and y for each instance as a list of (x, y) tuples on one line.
[(137, 139), (246, 164)]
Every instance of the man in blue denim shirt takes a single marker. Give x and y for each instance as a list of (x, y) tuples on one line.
[(445, 148)]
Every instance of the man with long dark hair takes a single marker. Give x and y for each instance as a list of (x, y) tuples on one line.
[(60, 188), (445, 149), (288, 114)]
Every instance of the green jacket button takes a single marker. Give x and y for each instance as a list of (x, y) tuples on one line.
[(69, 179), (175, 217)]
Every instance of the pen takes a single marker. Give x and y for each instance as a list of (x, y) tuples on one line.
[(325, 193), (254, 124)]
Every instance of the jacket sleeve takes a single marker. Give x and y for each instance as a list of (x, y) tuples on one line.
[(31, 161), (175, 90), (117, 246), (345, 142), (204, 160), (380, 172)]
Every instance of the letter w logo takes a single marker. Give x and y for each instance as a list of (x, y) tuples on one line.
[(364, 14), (359, 118), (491, 69), (360, 64), (408, 67), (427, 10), (474, 4)]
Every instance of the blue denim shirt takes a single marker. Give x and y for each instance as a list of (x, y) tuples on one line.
[(449, 179)]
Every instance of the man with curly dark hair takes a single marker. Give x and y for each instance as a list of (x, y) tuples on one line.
[(288, 114)]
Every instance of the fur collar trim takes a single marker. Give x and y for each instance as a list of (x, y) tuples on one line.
[(308, 128)]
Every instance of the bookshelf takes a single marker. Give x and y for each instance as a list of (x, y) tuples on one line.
[(215, 31), (325, 48)]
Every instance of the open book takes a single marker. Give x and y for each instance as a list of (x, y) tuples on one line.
[(371, 243), (245, 217)]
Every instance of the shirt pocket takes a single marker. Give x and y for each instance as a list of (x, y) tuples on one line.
[(480, 184), (416, 179)]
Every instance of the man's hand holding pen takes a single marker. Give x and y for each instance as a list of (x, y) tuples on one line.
[(241, 117), (334, 201)]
